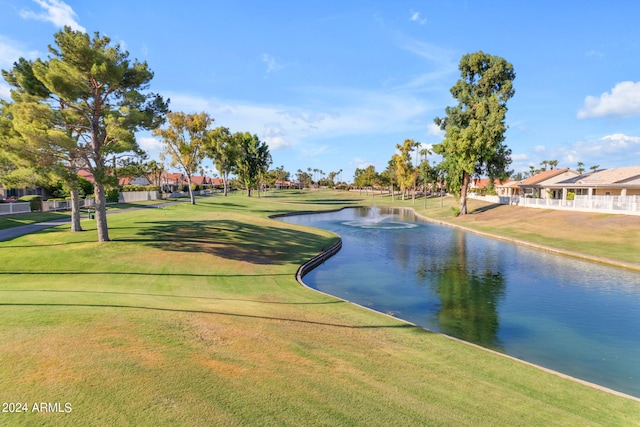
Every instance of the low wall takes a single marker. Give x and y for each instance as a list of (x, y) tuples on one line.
[(137, 196), (317, 260)]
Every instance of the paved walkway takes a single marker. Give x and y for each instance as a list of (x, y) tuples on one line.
[(13, 232), (21, 230)]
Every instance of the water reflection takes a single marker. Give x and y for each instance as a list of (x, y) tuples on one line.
[(468, 297)]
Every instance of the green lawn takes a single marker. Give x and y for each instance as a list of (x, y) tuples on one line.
[(10, 221), (192, 316)]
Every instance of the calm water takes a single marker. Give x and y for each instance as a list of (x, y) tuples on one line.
[(572, 316)]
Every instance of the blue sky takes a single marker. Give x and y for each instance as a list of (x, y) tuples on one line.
[(336, 85)]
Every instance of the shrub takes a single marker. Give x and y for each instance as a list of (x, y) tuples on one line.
[(34, 200), (140, 188), (113, 195)]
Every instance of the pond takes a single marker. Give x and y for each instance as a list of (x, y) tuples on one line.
[(573, 316)]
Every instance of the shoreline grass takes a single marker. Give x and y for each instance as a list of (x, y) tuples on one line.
[(192, 316)]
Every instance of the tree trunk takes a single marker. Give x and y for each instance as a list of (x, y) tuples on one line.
[(75, 211), (101, 213), (466, 179), (225, 180), (192, 198)]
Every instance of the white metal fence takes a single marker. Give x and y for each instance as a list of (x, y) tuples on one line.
[(64, 205), (626, 205), (15, 208)]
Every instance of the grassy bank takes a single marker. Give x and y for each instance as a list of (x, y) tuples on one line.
[(192, 316)]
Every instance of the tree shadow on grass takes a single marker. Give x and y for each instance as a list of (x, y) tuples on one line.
[(257, 244), (150, 294), (220, 313), (486, 208)]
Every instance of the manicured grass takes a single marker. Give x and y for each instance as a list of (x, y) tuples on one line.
[(192, 316), (10, 221)]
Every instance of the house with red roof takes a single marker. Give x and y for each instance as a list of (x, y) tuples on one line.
[(171, 182), (202, 181), (542, 185), (480, 185)]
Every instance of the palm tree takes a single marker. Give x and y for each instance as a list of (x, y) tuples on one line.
[(580, 168)]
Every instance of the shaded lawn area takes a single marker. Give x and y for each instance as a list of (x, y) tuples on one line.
[(10, 221), (192, 316)]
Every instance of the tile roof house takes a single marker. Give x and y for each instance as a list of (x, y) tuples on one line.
[(86, 175), (542, 186), (606, 182), (202, 181), (173, 181), (480, 184)]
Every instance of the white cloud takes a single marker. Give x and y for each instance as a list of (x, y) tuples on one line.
[(622, 101), (416, 17), (360, 112), (619, 140), (360, 163), (442, 63), (594, 54), (10, 52), (151, 145), (274, 136), (5, 92), (434, 129), (55, 11), (276, 143), (616, 150), (519, 157), (272, 64)]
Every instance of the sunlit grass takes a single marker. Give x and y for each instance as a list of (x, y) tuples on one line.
[(192, 316)]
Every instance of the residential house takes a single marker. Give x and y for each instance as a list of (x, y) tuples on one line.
[(203, 181), (543, 185), (508, 188), (173, 182), (282, 184), (606, 182), (140, 180), (84, 173), (480, 185)]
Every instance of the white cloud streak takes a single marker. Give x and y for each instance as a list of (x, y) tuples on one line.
[(5, 92), (272, 64), (55, 11), (416, 17), (622, 101), (10, 52), (287, 126)]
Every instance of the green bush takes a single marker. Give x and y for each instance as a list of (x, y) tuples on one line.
[(113, 195), (140, 188), (34, 200)]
